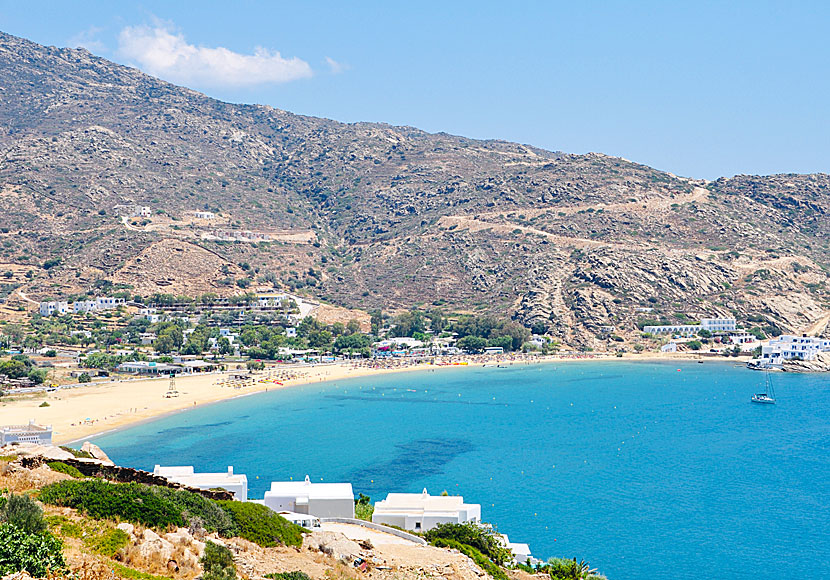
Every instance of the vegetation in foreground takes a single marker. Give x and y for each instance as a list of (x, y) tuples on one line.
[(163, 508), (25, 543)]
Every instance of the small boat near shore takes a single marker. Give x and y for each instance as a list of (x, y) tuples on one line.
[(768, 396)]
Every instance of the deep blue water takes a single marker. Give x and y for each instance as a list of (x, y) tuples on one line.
[(645, 471)]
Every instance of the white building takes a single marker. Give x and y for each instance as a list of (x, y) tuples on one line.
[(324, 500), (681, 329), (54, 308), (521, 552), (290, 332), (421, 511), (718, 324), (237, 483), (669, 347), (82, 306), (105, 302), (741, 338), (147, 338), (787, 347), (31, 433), (205, 215), (494, 350)]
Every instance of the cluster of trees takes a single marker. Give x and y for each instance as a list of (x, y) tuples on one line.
[(475, 333), (21, 366)]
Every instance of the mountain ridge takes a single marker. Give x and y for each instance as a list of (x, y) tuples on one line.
[(389, 216)]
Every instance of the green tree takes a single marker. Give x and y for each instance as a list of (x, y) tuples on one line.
[(164, 343), (473, 344), (223, 345), (217, 562), (694, 344)]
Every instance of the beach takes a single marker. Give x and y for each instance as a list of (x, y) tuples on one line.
[(86, 410)]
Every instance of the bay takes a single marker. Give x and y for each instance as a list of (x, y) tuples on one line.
[(645, 469)]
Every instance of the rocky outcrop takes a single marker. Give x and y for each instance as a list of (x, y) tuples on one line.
[(820, 364)]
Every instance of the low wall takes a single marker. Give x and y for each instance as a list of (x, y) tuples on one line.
[(125, 475), (376, 527)]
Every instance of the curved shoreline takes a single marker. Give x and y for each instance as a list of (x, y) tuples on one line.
[(91, 411)]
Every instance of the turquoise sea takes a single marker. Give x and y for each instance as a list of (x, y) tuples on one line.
[(646, 470)]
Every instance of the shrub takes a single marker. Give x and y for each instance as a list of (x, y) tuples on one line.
[(77, 452), (44, 404), (23, 513), (476, 556), (198, 510), (84, 378), (217, 562), (260, 525), (62, 467), (109, 542), (482, 539), (38, 554), (363, 508), (132, 502), (296, 575)]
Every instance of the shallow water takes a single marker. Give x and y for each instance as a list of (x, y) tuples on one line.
[(644, 470)]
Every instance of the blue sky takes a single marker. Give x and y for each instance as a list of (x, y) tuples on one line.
[(701, 89)]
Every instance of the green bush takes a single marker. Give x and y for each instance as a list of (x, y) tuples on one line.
[(62, 467), (38, 554), (132, 502), (564, 569), (109, 542), (260, 525), (296, 575), (198, 509), (363, 508), (23, 513), (84, 378), (482, 539), (217, 563), (476, 556), (77, 452)]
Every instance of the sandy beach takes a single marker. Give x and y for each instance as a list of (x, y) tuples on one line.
[(88, 410)]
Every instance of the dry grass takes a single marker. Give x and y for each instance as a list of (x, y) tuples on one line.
[(17, 480)]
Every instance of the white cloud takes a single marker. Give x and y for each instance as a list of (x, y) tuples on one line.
[(88, 39), (161, 52), (336, 67)]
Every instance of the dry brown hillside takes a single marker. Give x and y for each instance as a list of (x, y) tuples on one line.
[(371, 215)]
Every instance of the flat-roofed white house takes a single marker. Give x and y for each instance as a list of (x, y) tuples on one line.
[(787, 347), (521, 552), (324, 500), (237, 483), (719, 324), (31, 433), (421, 511), (681, 329), (55, 307)]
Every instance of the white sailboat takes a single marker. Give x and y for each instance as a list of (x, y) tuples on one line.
[(768, 396)]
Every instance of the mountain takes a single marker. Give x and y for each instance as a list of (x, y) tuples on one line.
[(370, 215)]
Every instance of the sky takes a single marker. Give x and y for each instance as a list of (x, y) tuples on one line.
[(700, 89)]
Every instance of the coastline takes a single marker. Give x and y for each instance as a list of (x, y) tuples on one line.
[(85, 412)]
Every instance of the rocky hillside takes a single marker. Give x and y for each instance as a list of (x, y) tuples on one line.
[(370, 215)]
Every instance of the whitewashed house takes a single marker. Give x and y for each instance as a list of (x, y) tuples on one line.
[(82, 306), (105, 302), (521, 552), (54, 308), (31, 433), (237, 483), (205, 215), (421, 511), (718, 324), (290, 332), (787, 347), (324, 500)]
